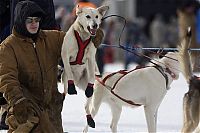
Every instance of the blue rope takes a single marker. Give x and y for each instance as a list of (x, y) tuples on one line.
[(147, 48)]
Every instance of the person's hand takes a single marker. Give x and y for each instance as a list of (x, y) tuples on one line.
[(97, 40), (20, 110)]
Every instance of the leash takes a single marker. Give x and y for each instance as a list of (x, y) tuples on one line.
[(114, 15), (133, 49)]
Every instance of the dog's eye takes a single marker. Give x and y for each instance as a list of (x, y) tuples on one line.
[(97, 16), (88, 17)]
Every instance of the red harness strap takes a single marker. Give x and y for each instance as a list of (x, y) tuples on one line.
[(81, 49), (124, 72), (127, 101), (110, 75)]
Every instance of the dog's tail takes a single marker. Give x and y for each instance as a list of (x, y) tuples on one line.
[(184, 57)]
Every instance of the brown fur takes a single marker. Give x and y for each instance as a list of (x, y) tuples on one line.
[(187, 19), (184, 59), (98, 38), (191, 99)]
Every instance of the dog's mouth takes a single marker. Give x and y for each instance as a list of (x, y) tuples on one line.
[(92, 31)]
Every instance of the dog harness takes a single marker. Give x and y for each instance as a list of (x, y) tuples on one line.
[(161, 70), (124, 72), (81, 49)]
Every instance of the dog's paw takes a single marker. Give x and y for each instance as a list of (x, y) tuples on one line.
[(89, 90), (90, 121), (71, 88)]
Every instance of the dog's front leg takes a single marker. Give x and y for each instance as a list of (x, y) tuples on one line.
[(91, 72), (97, 72), (68, 75)]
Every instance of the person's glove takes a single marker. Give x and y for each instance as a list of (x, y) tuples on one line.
[(20, 110), (97, 40), (71, 88), (89, 90), (22, 116)]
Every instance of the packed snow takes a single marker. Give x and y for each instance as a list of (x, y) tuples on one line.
[(170, 116)]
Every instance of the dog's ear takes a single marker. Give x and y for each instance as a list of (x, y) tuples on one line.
[(103, 9), (78, 10)]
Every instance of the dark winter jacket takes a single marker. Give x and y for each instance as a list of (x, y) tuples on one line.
[(49, 22), (29, 70)]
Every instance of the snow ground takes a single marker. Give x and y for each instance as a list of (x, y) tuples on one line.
[(170, 115)]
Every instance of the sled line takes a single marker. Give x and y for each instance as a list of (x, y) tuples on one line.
[(148, 48)]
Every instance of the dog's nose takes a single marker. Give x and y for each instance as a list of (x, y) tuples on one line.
[(94, 26)]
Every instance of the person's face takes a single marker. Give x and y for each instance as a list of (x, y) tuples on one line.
[(32, 24)]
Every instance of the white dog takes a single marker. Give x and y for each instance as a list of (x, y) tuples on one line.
[(78, 50), (144, 86)]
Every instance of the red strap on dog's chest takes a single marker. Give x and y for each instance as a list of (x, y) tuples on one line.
[(81, 49)]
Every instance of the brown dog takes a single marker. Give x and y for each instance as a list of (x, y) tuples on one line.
[(191, 100), (187, 18)]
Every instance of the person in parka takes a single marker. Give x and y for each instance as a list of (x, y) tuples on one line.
[(28, 73)]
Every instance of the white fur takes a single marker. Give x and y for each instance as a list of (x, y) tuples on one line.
[(81, 74), (146, 86)]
